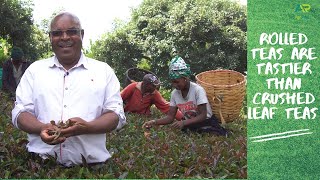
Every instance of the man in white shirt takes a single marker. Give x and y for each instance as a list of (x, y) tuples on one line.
[(68, 86)]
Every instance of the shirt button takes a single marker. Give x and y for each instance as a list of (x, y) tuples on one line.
[(65, 106), (66, 88), (63, 145)]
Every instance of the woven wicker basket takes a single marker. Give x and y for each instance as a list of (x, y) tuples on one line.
[(135, 75), (225, 90)]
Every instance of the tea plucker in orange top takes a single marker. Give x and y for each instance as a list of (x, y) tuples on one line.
[(138, 97)]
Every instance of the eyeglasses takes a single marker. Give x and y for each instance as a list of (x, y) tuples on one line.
[(69, 32)]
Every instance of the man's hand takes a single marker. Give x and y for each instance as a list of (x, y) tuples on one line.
[(79, 126), (51, 138), (149, 124), (57, 133), (178, 124)]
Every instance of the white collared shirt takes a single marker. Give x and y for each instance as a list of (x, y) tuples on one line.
[(87, 90)]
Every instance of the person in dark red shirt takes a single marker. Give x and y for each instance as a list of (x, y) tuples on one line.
[(138, 97), (13, 69)]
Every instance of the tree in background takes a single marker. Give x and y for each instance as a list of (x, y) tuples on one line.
[(17, 28), (4, 51), (118, 49), (207, 34)]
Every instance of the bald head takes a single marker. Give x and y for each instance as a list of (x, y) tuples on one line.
[(151, 79), (75, 19)]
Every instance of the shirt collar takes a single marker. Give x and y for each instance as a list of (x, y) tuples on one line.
[(82, 61)]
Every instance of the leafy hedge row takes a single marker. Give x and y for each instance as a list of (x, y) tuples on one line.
[(160, 153)]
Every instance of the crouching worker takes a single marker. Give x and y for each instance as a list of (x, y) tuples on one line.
[(140, 96), (191, 99)]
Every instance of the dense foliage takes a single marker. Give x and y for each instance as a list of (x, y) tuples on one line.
[(207, 34), (18, 29), (159, 153)]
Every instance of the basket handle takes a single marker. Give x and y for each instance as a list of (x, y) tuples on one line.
[(219, 98)]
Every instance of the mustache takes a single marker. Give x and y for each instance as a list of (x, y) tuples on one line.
[(65, 43)]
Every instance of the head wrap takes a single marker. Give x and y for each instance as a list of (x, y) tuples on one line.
[(16, 53), (178, 68), (152, 79)]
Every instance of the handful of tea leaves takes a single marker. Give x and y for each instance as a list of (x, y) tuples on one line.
[(57, 127)]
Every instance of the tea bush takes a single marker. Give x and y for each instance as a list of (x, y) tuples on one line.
[(162, 152)]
